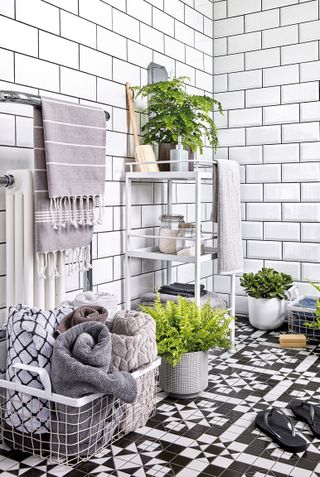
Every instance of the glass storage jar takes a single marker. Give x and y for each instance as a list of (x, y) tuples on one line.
[(169, 229), (186, 244)]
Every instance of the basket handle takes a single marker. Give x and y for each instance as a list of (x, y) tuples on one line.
[(42, 373), (293, 293)]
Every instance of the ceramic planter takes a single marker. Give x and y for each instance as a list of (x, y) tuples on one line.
[(266, 313), (188, 379)]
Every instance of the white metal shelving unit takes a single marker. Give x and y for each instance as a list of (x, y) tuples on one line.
[(198, 176)]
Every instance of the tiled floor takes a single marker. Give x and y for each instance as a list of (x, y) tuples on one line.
[(213, 435)]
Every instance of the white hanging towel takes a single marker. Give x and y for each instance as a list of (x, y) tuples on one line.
[(226, 212)]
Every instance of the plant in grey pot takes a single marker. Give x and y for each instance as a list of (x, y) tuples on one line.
[(267, 292), (185, 333), (172, 112)]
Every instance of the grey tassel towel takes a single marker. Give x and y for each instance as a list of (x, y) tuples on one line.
[(69, 151), (227, 213)]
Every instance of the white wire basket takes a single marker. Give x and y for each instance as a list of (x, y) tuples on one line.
[(301, 313), (77, 428)]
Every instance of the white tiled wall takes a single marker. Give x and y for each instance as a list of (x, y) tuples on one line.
[(267, 73), (85, 50)]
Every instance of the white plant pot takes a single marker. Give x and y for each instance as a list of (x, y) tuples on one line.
[(188, 379), (266, 313)]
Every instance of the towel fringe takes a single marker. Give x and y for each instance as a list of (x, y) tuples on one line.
[(77, 211), (78, 260)]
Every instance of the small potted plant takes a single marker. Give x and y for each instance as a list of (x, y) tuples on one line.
[(185, 333), (174, 113), (267, 292)]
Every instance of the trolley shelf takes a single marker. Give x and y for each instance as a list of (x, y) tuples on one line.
[(172, 176), (152, 253)]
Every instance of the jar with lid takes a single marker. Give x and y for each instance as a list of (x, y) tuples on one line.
[(186, 244), (169, 229)]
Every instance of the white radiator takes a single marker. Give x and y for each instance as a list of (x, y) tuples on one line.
[(23, 284)]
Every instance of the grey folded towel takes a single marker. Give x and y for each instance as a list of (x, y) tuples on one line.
[(83, 315), (226, 212), (80, 364)]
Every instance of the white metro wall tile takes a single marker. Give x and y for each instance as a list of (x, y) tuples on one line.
[(264, 249), (281, 153), (78, 84), (291, 268), (299, 53), (310, 151), (300, 132), (263, 96), (280, 75), (95, 62), (58, 50), (245, 80), (264, 135), (252, 230), (264, 173), (310, 232), (310, 111), (246, 155), (7, 8), (78, 29), (18, 37), (281, 231), (97, 12), (240, 8), (300, 92), (281, 114), (280, 36), (262, 20), (282, 192), (301, 212), (304, 252), (262, 58), (264, 211), (244, 42), (310, 192), (305, 172), (245, 117), (39, 14), (299, 13), (37, 73)]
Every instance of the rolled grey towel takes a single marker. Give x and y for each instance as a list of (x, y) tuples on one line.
[(80, 364), (133, 340), (82, 315)]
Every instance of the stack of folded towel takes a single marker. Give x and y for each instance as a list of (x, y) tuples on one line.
[(183, 289), (173, 291), (103, 299)]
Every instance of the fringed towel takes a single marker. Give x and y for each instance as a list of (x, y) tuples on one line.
[(69, 145), (227, 213)]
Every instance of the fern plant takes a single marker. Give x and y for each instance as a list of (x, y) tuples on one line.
[(316, 323), (184, 327), (172, 112), (266, 283)]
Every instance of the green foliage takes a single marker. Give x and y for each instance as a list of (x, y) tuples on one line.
[(316, 323), (172, 112), (267, 283), (184, 327)]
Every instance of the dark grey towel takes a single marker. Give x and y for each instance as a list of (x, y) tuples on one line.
[(69, 174), (80, 364)]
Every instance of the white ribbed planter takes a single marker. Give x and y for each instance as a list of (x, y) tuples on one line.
[(188, 379)]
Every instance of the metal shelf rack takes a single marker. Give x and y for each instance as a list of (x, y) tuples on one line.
[(198, 176)]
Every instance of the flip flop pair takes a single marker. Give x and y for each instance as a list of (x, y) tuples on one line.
[(277, 425)]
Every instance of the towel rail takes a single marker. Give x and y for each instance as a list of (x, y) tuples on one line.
[(26, 98), (6, 181)]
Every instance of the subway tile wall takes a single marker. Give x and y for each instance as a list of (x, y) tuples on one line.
[(266, 73), (85, 51)]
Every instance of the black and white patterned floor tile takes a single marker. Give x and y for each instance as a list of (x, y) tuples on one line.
[(214, 434)]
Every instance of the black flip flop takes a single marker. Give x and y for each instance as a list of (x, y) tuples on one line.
[(309, 413), (277, 425)]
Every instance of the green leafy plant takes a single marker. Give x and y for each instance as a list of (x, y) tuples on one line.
[(267, 283), (184, 327), (172, 112), (316, 323)]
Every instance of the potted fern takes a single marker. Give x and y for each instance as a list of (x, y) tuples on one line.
[(267, 292), (185, 333), (173, 113)]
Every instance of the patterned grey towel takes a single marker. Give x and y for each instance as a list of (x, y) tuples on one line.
[(69, 146)]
